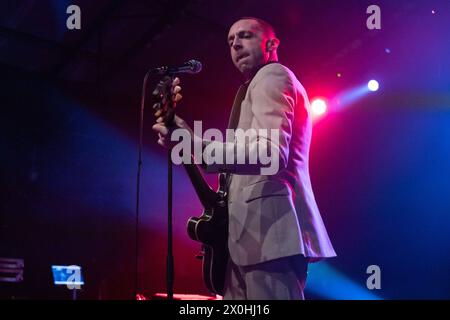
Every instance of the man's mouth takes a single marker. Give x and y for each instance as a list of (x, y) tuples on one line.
[(241, 56)]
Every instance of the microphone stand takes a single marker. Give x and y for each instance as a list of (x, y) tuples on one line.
[(192, 66), (170, 259)]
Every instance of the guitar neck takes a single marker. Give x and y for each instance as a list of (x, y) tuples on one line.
[(204, 192)]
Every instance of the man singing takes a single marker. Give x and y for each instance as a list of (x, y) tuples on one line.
[(275, 227)]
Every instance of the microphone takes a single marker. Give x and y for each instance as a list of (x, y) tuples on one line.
[(191, 66)]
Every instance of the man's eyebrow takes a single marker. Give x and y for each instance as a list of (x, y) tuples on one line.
[(240, 34)]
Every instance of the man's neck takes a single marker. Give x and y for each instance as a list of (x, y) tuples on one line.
[(250, 76)]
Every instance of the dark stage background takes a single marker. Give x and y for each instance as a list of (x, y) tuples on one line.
[(380, 162)]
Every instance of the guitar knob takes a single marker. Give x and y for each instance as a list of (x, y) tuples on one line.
[(200, 256)]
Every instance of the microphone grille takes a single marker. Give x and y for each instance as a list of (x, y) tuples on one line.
[(196, 66)]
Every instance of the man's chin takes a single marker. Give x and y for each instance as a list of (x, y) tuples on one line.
[(245, 69)]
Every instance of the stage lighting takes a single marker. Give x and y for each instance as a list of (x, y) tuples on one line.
[(318, 107), (373, 85)]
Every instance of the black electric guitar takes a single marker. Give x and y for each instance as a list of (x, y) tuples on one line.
[(211, 228)]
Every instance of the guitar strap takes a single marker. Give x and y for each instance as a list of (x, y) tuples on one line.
[(234, 118), (236, 109)]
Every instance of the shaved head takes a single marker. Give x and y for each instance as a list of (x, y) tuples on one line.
[(264, 26)]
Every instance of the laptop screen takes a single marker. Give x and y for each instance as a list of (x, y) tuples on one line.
[(67, 275)]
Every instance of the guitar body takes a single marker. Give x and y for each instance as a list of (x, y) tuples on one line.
[(211, 229)]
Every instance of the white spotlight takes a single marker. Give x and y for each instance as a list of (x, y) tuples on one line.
[(373, 85), (319, 107)]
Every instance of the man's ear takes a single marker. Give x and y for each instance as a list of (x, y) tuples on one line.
[(272, 44)]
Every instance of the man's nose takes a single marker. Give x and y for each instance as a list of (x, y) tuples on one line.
[(237, 44)]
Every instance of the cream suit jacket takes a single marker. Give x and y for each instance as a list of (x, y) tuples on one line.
[(273, 216)]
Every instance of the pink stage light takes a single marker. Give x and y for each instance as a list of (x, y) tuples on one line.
[(318, 107)]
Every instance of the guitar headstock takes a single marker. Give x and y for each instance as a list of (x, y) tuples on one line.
[(165, 97)]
